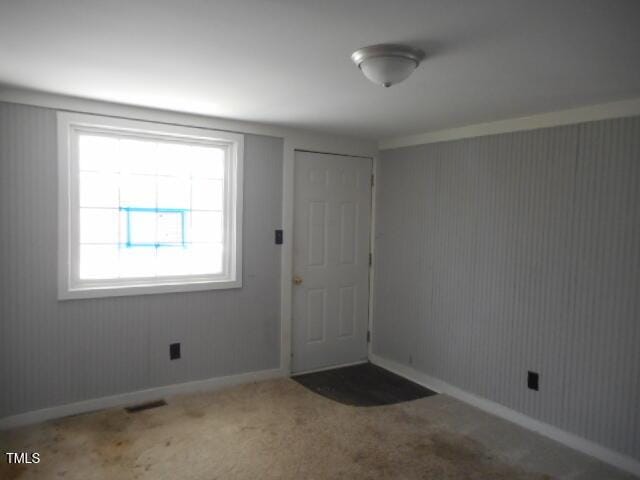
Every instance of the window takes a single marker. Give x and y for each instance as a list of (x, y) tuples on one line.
[(147, 208)]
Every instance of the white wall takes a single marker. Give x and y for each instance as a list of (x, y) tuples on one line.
[(521, 251), (55, 352)]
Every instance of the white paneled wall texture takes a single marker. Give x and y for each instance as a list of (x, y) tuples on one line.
[(55, 352), (507, 253)]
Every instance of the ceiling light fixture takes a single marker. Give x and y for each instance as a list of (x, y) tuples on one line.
[(387, 64)]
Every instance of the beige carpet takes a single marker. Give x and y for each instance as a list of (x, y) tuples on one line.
[(269, 430)]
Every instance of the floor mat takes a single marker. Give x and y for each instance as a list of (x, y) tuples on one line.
[(363, 385)]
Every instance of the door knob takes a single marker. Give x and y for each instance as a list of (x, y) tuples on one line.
[(297, 280)]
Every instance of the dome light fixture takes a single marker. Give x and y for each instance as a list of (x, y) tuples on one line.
[(387, 64)]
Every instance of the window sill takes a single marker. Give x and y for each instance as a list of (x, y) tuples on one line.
[(149, 289)]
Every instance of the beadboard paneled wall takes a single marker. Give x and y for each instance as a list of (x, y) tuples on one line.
[(55, 352), (515, 252)]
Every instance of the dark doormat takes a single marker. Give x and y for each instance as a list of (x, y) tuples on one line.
[(363, 385)]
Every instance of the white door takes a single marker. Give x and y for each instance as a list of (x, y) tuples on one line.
[(330, 260)]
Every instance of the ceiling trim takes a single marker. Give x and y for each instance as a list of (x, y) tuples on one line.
[(602, 111), (348, 145), (341, 144)]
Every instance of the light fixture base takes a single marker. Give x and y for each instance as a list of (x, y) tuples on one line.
[(387, 64), (388, 50)]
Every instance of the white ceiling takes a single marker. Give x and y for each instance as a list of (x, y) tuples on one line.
[(287, 61)]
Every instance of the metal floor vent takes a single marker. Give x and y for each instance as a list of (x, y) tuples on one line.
[(145, 406)]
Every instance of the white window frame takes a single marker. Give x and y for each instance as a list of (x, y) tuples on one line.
[(70, 286)]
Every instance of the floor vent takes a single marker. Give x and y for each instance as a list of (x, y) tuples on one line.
[(145, 406)]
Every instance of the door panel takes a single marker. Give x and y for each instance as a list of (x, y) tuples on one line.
[(331, 260)]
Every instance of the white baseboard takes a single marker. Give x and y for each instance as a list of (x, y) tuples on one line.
[(575, 442), (138, 396)]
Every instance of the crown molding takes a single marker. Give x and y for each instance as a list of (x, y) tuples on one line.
[(301, 137), (602, 111)]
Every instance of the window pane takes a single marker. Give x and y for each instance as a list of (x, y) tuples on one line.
[(99, 225), (138, 191), (173, 261), (207, 194), (123, 227), (172, 159), (150, 207), (98, 154), (174, 192), (138, 156), (205, 227), (99, 189), (170, 228), (137, 262), (206, 162), (98, 261), (141, 229), (205, 258)]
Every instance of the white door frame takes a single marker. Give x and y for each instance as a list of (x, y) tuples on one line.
[(288, 204)]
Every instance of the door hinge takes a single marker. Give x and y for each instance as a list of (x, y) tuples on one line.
[(370, 259), (372, 179), (368, 336)]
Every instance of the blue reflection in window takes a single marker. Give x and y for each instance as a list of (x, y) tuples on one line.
[(171, 217)]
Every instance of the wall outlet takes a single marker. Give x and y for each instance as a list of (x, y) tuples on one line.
[(533, 380), (174, 351)]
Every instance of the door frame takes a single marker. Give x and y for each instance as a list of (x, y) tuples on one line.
[(287, 270)]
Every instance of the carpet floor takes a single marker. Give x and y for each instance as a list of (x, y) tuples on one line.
[(279, 429)]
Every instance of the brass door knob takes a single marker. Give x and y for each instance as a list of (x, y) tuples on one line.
[(297, 280)]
